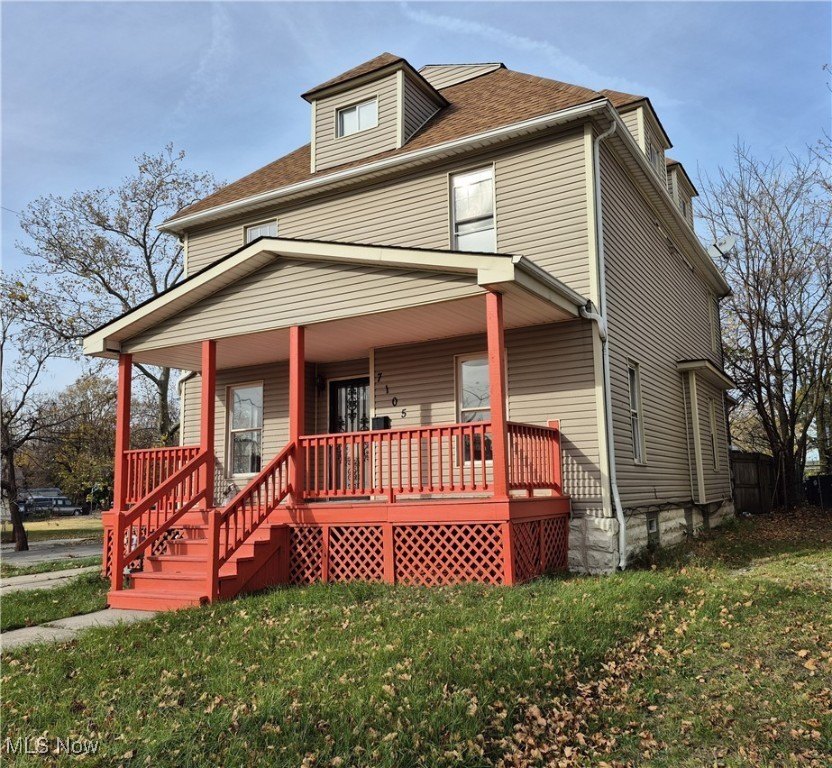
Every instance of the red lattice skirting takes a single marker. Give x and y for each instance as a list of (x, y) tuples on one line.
[(428, 554)]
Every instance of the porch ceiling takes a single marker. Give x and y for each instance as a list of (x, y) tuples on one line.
[(353, 337)]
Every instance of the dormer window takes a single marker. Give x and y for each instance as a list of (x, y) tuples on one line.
[(358, 117)]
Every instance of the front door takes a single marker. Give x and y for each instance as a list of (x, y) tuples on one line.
[(349, 411)]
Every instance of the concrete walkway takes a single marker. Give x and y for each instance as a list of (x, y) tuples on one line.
[(62, 630), (48, 580), (49, 550)]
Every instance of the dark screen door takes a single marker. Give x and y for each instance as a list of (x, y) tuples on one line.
[(349, 405), (349, 412)]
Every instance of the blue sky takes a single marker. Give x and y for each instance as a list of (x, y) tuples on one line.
[(87, 86)]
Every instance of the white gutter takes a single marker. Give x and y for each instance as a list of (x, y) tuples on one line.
[(600, 318), (525, 126)]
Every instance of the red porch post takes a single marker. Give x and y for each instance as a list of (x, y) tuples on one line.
[(208, 418), (497, 391), (124, 391), (297, 382)]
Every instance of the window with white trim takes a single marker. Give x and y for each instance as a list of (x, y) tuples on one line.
[(712, 426), (636, 416), (245, 428), (263, 229), (472, 211), (473, 399), (357, 117)]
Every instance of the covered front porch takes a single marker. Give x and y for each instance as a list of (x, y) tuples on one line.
[(361, 492)]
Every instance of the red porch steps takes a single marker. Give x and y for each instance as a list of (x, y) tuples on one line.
[(178, 578)]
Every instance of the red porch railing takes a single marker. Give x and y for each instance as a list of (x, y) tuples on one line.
[(140, 527), (230, 527), (147, 468), (534, 457), (445, 459), (452, 458)]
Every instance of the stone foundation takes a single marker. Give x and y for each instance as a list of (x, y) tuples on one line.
[(593, 541)]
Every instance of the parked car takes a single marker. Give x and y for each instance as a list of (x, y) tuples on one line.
[(64, 507), (35, 506)]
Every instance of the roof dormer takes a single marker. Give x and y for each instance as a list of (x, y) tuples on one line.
[(681, 188), (374, 107)]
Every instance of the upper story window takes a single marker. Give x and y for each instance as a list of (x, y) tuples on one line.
[(472, 211), (358, 117), (263, 229), (636, 416), (656, 158)]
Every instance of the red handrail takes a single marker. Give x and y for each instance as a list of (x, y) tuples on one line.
[(147, 468), (534, 457), (442, 459), (141, 526), (230, 527)]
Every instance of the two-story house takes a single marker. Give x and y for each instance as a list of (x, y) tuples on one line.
[(466, 333)]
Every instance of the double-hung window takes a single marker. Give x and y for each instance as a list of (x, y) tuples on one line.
[(263, 229), (472, 210), (473, 399), (712, 426), (358, 117), (245, 428), (636, 418)]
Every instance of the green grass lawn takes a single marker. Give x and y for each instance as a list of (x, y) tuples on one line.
[(84, 594), (8, 570), (719, 655)]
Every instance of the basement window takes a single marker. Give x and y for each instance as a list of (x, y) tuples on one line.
[(358, 117)]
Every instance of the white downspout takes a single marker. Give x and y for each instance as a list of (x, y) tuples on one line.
[(600, 318)]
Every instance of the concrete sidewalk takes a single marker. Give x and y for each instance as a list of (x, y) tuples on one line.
[(51, 549), (48, 580), (62, 630)]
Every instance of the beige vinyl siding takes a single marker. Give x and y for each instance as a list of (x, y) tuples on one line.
[(287, 292), (540, 211), (657, 315), (191, 393), (418, 106), (444, 75), (332, 150), (550, 376), (631, 120), (717, 481)]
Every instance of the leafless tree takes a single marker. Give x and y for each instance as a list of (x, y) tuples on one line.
[(778, 330), (26, 413), (98, 254)]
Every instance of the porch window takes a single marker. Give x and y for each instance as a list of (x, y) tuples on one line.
[(245, 428), (472, 208), (474, 400), (358, 117), (636, 419), (263, 229)]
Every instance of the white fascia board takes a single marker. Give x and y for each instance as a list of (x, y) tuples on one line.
[(708, 370), (486, 137)]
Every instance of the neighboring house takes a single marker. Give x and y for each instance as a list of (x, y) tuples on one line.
[(470, 316)]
